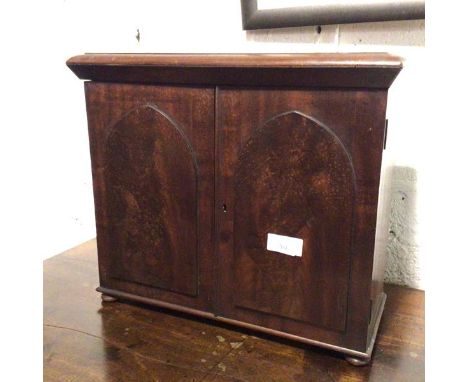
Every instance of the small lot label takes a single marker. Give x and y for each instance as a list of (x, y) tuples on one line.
[(291, 246)]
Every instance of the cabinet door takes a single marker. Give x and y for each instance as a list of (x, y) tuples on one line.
[(152, 153), (286, 168)]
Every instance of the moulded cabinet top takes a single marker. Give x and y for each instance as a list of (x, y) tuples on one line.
[(361, 70)]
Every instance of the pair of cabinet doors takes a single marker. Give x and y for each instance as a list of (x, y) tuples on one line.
[(189, 182)]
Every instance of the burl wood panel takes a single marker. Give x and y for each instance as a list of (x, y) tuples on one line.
[(152, 152), (150, 172), (323, 150), (293, 178)]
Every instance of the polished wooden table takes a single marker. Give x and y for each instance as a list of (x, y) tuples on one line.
[(89, 340)]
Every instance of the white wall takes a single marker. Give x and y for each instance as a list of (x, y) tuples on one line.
[(49, 119)]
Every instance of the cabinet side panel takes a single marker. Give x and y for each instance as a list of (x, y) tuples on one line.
[(381, 241), (366, 147)]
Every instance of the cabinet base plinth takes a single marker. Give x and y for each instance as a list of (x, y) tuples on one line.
[(354, 357)]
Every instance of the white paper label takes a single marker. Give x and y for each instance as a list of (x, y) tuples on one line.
[(291, 246)]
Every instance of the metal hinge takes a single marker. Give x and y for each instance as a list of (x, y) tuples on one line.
[(385, 134)]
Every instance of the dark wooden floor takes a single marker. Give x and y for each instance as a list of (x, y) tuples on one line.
[(86, 340)]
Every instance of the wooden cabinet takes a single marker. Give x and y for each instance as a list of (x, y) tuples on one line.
[(208, 169)]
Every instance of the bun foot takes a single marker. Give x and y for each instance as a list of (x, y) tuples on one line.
[(357, 361), (107, 298)]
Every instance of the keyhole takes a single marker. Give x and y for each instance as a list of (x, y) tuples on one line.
[(224, 208)]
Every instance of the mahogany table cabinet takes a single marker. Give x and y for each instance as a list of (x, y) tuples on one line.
[(243, 188)]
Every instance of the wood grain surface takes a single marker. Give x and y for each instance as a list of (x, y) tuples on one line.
[(89, 340), (293, 177), (300, 163), (152, 151), (359, 70), (241, 60), (151, 176)]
